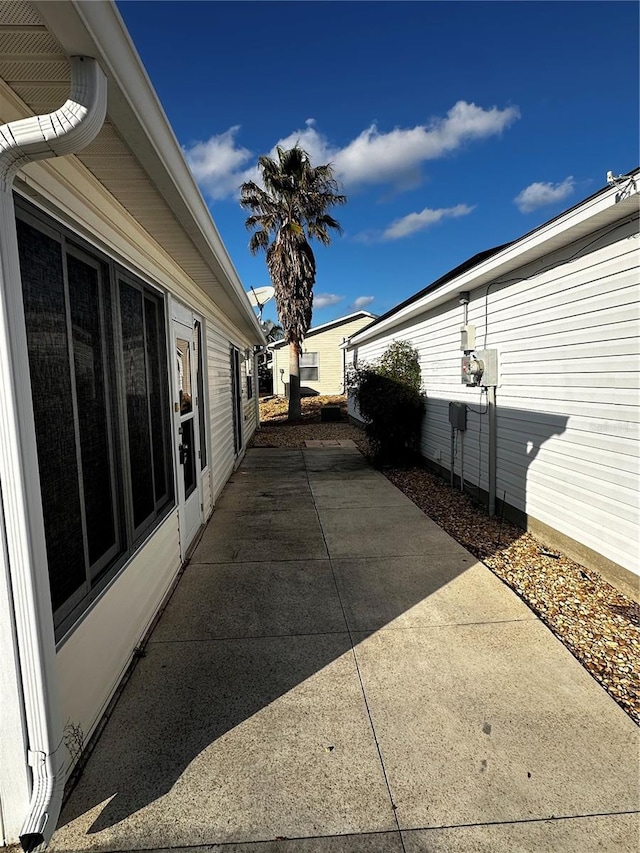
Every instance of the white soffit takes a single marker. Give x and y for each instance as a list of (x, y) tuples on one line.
[(135, 156)]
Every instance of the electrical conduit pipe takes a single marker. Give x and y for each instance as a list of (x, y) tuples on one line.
[(63, 132)]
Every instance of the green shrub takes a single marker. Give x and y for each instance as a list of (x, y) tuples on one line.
[(391, 402), (400, 362)]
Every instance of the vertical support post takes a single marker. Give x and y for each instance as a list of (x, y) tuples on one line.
[(453, 440), (491, 405), (256, 384)]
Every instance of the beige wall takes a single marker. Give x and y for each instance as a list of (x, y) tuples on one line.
[(330, 358)]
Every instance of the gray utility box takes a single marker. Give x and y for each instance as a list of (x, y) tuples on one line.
[(489, 358), (458, 415), (330, 412)]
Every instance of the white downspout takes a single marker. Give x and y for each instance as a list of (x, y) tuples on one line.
[(257, 355), (67, 130)]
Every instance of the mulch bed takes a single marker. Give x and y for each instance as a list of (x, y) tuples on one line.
[(598, 624), (277, 431)]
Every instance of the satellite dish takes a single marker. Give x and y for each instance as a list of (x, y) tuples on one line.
[(259, 296)]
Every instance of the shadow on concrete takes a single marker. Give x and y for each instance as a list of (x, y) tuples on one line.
[(177, 704)]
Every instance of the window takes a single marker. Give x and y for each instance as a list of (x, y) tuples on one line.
[(144, 380), (309, 367), (97, 358)]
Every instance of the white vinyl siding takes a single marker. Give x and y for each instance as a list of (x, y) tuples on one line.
[(97, 651), (220, 336), (92, 661), (567, 400)]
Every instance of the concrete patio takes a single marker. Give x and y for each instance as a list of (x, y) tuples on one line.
[(335, 673)]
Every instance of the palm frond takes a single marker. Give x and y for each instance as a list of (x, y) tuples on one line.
[(259, 242), (289, 210)]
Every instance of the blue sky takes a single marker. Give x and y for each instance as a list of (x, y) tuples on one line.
[(453, 127)]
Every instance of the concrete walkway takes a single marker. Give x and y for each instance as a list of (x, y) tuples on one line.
[(335, 673)]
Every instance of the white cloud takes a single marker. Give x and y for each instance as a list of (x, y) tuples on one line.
[(311, 140), (220, 165), (361, 302), (395, 157), (217, 163), (542, 193), (419, 221), (326, 300)]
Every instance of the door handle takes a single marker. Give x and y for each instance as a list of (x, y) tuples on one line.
[(183, 452)]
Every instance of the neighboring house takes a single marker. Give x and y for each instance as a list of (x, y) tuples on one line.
[(560, 306), (323, 361), (126, 340)]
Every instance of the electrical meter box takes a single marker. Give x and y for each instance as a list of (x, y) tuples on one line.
[(467, 338), (458, 415), (481, 368)]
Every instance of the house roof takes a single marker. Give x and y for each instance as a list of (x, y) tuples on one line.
[(607, 205), (349, 318), (136, 156)]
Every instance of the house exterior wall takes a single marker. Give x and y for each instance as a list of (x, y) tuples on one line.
[(97, 653), (331, 359), (98, 649), (567, 334), (82, 253), (223, 458)]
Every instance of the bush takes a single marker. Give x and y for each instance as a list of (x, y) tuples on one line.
[(390, 400)]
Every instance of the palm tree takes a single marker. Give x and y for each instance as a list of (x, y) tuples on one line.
[(289, 211)]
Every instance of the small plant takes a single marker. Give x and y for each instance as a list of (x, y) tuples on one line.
[(73, 737), (389, 397)]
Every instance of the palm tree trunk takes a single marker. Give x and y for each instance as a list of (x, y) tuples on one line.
[(295, 410)]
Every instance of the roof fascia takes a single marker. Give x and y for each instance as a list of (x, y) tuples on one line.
[(97, 29), (331, 324), (601, 209)]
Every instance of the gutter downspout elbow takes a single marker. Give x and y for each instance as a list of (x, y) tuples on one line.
[(67, 130), (42, 137)]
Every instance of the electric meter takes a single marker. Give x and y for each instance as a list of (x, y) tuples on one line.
[(481, 368), (472, 369)]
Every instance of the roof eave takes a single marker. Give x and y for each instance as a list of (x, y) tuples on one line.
[(97, 29), (349, 318), (599, 210)]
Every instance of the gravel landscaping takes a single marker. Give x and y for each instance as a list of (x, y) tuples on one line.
[(598, 624)]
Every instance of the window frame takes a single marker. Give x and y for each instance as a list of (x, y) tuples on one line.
[(315, 366), (129, 538), (95, 570)]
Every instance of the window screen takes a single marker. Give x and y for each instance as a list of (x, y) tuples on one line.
[(158, 395), (48, 343), (99, 381), (87, 307)]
